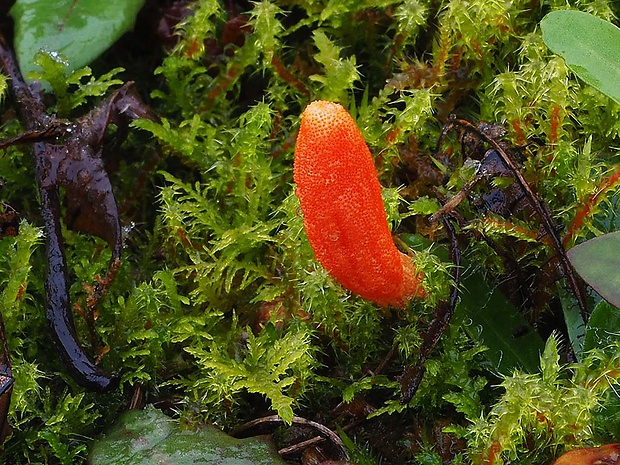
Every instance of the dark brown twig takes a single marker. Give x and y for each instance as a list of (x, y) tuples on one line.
[(323, 430), (68, 155), (535, 202), (59, 316), (412, 374)]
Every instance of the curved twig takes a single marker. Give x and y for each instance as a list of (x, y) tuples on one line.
[(536, 203), (6, 384), (46, 155), (412, 374), (59, 316), (323, 430)]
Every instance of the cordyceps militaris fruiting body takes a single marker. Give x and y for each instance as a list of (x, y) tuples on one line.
[(343, 212)]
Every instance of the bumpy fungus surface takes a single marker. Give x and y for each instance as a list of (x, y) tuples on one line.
[(343, 211), (608, 454)]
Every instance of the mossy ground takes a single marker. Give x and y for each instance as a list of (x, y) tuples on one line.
[(220, 313)]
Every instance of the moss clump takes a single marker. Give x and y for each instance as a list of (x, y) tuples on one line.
[(220, 307)]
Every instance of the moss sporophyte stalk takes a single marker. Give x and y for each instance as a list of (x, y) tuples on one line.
[(343, 212)]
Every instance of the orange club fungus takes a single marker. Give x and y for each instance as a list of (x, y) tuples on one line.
[(343, 212)]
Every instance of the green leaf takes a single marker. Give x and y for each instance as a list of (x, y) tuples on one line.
[(492, 319), (598, 262), (590, 46), (603, 327), (497, 323), (79, 30), (424, 206), (148, 437), (574, 322), (608, 416)]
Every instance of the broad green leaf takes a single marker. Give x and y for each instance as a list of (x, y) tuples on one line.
[(77, 30), (491, 319), (598, 262), (148, 437), (603, 326), (574, 322), (496, 323), (590, 46)]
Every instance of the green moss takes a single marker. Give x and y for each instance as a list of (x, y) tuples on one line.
[(539, 415), (220, 307)]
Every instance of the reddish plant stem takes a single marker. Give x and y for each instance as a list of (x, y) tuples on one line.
[(288, 77), (590, 204), (555, 121)]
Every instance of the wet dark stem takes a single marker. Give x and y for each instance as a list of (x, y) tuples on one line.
[(41, 129)]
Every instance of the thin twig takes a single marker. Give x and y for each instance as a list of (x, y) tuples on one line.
[(324, 430), (412, 375), (537, 204)]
